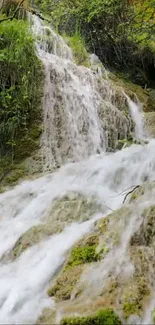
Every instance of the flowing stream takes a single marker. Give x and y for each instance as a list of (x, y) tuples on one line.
[(96, 173)]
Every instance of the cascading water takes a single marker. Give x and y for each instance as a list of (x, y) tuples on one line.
[(81, 116), (24, 279), (137, 116)]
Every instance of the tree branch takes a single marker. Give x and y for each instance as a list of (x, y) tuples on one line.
[(14, 14)]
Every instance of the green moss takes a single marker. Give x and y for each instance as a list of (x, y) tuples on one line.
[(82, 255), (102, 225), (130, 308), (137, 290), (105, 316), (132, 305), (14, 177)]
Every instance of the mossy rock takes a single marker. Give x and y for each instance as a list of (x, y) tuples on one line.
[(110, 228), (75, 207), (106, 317), (146, 234), (84, 254), (137, 290), (65, 210), (65, 283), (149, 123), (47, 317), (13, 171), (68, 278), (134, 297), (142, 190), (102, 225), (135, 294), (31, 237), (89, 250), (149, 105), (130, 88)]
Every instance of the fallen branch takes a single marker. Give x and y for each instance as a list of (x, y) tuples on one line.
[(122, 193), (137, 186)]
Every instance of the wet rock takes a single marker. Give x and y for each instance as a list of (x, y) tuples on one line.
[(146, 234), (65, 283), (149, 119), (70, 208)]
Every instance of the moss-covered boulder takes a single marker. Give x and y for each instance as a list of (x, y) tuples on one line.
[(93, 278), (146, 233), (65, 210), (83, 253), (62, 288)]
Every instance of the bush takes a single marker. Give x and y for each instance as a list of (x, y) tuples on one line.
[(20, 84), (77, 44), (120, 32)]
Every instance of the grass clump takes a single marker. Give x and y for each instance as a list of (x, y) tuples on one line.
[(103, 317), (77, 44)]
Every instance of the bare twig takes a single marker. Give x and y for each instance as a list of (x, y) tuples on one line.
[(130, 192), (122, 193)]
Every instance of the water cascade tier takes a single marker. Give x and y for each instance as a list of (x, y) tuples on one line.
[(83, 113)]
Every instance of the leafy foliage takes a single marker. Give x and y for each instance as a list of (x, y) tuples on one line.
[(120, 32), (20, 84), (77, 43)]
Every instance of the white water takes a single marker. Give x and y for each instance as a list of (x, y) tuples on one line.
[(24, 282), (81, 113), (137, 116)]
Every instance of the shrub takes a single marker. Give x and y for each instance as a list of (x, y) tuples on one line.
[(20, 84), (77, 44)]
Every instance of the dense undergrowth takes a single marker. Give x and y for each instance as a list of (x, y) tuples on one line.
[(120, 32), (21, 82)]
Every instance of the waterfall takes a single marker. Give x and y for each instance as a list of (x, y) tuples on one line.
[(24, 281), (137, 116), (81, 115)]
